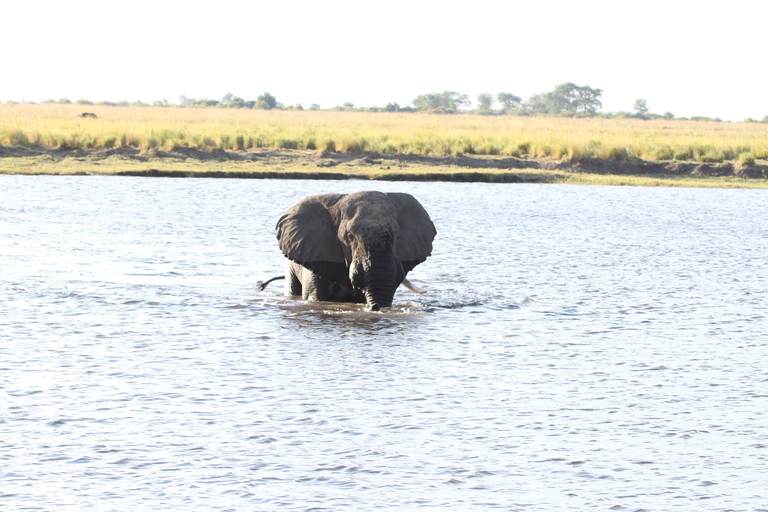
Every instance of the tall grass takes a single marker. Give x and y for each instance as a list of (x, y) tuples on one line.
[(575, 139)]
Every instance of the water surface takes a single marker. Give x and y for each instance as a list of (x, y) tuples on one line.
[(580, 348)]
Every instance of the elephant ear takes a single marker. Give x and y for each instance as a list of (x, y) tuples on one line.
[(308, 235), (416, 231)]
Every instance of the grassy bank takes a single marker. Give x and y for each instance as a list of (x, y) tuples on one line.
[(148, 128), (297, 164), (196, 140)]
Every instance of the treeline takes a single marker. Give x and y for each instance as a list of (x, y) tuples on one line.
[(565, 100)]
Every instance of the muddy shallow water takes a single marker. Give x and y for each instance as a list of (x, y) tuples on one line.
[(579, 348)]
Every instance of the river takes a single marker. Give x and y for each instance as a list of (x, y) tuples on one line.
[(579, 348)]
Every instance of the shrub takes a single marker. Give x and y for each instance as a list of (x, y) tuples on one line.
[(18, 138), (746, 160), (489, 148), (618, 153), (288, 144), (663, 153), (712, 155)]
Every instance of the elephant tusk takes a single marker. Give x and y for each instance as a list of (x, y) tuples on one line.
[(412, 287)]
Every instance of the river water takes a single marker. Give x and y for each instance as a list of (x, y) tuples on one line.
[(579, 348)]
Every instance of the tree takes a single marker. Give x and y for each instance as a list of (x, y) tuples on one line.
[(227, 98), (450, 100), (640, 106), (485, 102), (588, 99), (184, 101), (508, 101), (236, 102), (266, 101), (535, 105), (569, 97)]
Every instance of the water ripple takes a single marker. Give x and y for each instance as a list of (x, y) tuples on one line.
[(598, 348)]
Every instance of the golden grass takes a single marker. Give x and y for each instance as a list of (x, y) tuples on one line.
[(171, 128)]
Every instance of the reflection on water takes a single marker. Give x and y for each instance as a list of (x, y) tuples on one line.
[(578, 348)]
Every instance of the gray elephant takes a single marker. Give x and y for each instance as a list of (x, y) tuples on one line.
[(353, 248)]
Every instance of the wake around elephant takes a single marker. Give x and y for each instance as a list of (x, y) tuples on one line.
[(353, 247)]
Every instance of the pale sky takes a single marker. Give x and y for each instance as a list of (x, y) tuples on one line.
[(686, 57)]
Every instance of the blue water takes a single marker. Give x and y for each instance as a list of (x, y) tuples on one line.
[(579, 348)]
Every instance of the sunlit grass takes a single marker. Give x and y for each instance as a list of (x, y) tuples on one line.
[(169, 129)]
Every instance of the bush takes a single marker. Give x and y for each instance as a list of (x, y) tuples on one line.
[(746, 160), (712, 156), (663, 153), (618, 153)]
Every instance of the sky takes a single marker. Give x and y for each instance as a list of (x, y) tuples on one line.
[(685, 57)]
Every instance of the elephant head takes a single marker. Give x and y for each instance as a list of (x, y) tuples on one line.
[(366, 241)]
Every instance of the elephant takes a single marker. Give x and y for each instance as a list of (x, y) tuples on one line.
[(355, 247)]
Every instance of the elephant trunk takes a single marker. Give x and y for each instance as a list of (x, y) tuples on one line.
[(379, 294), (378, 278)]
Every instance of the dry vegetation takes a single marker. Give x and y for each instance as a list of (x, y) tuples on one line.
[(53, 125), (152, 130)]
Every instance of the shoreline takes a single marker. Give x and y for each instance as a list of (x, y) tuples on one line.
[(325, 165)]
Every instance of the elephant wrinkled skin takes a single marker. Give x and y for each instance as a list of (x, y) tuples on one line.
[(353, 248)]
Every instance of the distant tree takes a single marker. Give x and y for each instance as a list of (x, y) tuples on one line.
[(84, 102), (266, 101), (64, 100), (205, 103), (588, 99), (428, 101), (314, 106), (450, 100), (484, 102), (391, 107), (508, 101), (571, 98), (236, 102), (535, 105), (227, 98), (640, 106), (184, 101), (668, 115), (764, 119)]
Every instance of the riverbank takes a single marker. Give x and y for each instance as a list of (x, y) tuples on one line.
[(301, 164)]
